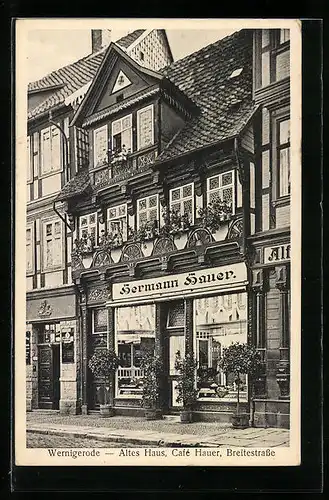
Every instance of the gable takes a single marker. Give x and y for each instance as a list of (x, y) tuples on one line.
[(123, 81), (36, 98)]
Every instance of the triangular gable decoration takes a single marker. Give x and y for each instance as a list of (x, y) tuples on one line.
[(122, 81)]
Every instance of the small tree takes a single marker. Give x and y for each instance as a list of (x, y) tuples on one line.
[(152, 367), (104, 363), (187, 392), (240, 359)]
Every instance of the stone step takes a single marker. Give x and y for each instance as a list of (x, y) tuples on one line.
[(171, 418), (43, 411)]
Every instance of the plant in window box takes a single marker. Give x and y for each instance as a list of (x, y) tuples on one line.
[(206, 376), (215, 214), (240, 359), (174, 223), (185, 386), (146, 232), (109, 240), (119, 155), (103, 364), (152, 368), (85, 244)]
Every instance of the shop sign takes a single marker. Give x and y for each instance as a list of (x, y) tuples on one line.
[(276, 253), (188, 283)]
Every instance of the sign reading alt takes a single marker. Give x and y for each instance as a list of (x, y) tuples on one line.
[(185, 283), (276, 253)]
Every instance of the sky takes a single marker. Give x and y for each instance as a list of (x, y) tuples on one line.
[(50, 49)]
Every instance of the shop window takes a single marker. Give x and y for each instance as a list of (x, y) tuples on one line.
[(88, 226), (49, 333), (122, 135), (50, 150), (272, 56), (99, 321), (52, 245), (100, 146), (117, 221), (219, 321), (147, 210), (135, 333), (176, 314), (283, 156), (145, 128), (29, 250), (181, 200), (221, 188)]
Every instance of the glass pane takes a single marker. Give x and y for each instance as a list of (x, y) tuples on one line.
[(124, 352), (126, 139), (284, 132), (265, 69), (100, 320), (49, 253), (92, 219), (265, 37), (176, 314), (153, 214), (175, 207), (203, 353), (57, 228), (145, 128), (175, 194), (122, 210), (142, 204), (83, 221), (187, 206), (116, 127), (153, 201), (283, 65), (227, 194), (214, 183), (214, 196), (28, 235), (126, 122), (284, 36), (142, 217), (284, 172), (187, 191), (55, 150), (48, 229), (227, 179), (112, 213)]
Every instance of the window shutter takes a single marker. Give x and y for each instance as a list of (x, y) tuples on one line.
[(46, 152), (55, 149), (100, 146), (145, 127)]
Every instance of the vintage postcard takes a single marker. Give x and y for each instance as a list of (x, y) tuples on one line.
[(158, 204)]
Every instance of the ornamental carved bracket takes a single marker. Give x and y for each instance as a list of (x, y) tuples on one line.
[(45, 309), (282, 278), (257, 280), (98, 294)]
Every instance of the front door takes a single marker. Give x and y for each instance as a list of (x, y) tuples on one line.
[(48, 376)]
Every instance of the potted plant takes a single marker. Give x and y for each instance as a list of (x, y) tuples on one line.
[(152, 367), (174, 223), (215, 214), (240, 359), (103, 364), (187, 392), (85, 244)]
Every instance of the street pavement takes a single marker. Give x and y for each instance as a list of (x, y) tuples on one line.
[(216, 436)]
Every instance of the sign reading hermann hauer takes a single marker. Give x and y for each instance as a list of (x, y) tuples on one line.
[(181, 284)]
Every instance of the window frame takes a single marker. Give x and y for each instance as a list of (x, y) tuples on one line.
[(61, 266), (88, 215), (59, 169), (105, 161), (130, 148), (139, 112), (221, 188), (29, 170), (182, 199), (274, 47), (30, 226), (278, 148), (93, 321), (109, 219), (138, 224)]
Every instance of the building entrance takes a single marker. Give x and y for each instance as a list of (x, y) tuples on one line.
[(48, 376)]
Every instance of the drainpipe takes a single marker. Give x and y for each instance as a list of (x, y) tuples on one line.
[(244, 247)]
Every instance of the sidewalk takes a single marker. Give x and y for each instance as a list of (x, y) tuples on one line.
[(155, 433)]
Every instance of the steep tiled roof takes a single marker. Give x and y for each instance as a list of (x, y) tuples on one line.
[(73, 77), (76, 186), (225, 103)]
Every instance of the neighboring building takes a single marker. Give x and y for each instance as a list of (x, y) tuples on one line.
[(56, 153), (152, 268), (270, 246)]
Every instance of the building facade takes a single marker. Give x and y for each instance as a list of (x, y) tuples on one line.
[(178, 222), (56, 152)]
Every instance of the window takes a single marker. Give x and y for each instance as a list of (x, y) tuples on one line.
[(52, 245), (219, 321), (135, 333), (99, 321), (147, 210), (181, 200), (88, 226), (176, 314), (145, 129), (29, 171), (29, 250), (117, 221), (49, 333), (283, 156), (122, 135), (273, 56), (221, 187), (100, 146), (50, 150)]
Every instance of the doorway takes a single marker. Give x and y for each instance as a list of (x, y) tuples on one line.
[(48, 376)]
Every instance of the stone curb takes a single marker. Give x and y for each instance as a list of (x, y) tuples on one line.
[(119, 439)]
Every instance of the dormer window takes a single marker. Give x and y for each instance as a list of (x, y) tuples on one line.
[(122, 135), (119, 98)]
